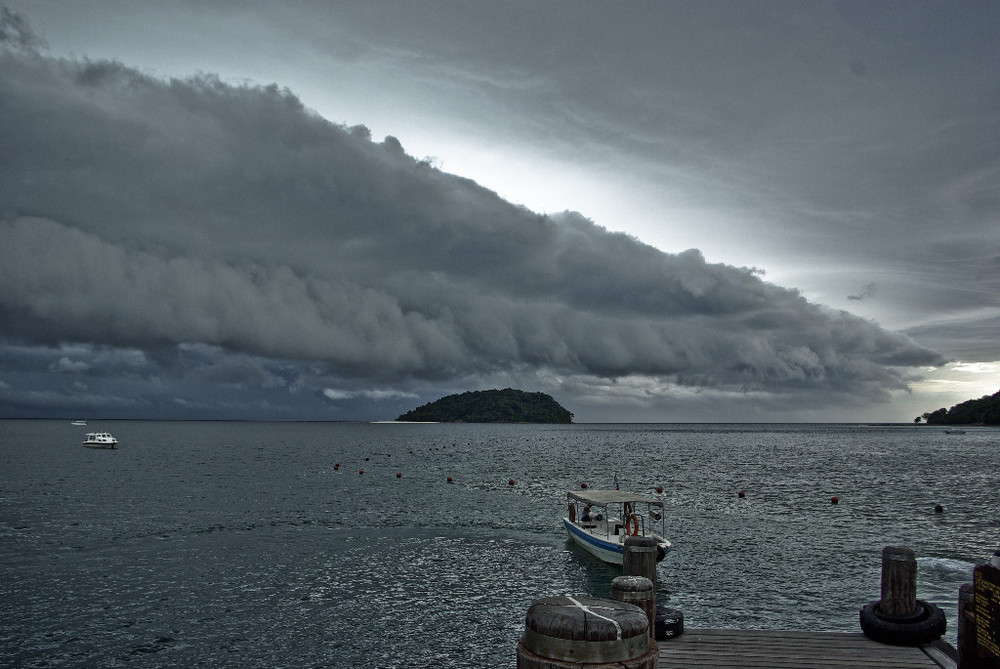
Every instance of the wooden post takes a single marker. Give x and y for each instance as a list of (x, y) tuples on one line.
[(985, 607), (640, 558), (968, 655), (639, 591), (899, 581), (581, 631)]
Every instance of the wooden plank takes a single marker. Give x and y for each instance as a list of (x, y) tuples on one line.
[(781, 649)]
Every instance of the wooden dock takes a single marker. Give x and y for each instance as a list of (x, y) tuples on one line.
[(777, 649)]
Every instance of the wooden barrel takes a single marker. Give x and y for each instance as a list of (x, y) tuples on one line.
[(899, 581), (636, 590), (640, 558), (575, 631)]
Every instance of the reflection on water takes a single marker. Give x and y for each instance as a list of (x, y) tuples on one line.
[(243, 544)]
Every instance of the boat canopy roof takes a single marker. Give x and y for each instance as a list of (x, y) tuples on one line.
[(605, 497)]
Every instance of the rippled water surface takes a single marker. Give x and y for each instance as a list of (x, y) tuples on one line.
[(245, 545)]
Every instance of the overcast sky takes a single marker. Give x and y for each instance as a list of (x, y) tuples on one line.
[(652, 211)]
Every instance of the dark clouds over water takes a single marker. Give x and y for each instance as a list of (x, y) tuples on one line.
[(188, 247)]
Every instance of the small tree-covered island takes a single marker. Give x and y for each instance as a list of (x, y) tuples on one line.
[(984, 411), (491, 406)]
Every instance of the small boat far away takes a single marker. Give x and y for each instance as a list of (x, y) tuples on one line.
[(953, 431), (600, 521), (78, 422), (99, 440)]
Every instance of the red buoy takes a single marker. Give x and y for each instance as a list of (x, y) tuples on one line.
[(741, 494), (834, 500), (583, 485), (399, 475), (659, 488), (361, 471), (449, 480), (510, 482)]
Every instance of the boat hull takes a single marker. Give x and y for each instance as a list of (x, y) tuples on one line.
[(607, 551), (102, 445)]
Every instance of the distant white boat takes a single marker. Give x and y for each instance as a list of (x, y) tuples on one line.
[(78, 422), (100, 440)]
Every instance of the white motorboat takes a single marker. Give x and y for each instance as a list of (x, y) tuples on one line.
[(78, 422), (100, 440), (600, 521)]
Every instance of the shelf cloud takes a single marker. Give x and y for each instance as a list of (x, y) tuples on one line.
[(190, 245)]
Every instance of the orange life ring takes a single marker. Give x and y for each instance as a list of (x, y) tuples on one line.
[(628, 509), (632, 525), (572, 513)]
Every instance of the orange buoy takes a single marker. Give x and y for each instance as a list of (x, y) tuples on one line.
[(834, 500)]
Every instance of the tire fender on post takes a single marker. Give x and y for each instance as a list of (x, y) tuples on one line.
[(923, 626)]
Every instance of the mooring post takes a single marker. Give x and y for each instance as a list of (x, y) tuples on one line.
[(636, 590), (640, 558), (899, 581), (580, 631), (968, 654)]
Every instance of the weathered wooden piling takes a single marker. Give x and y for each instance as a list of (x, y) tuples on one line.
[(899, 581), (899, 618), (582, 631), (979, 618), (639, 558), (968, 650), (636, 590)]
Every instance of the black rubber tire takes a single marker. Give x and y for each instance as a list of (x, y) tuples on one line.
[(920, 613), (668, 623), (927, 626)]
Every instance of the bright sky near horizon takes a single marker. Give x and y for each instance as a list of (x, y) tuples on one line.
[(822, 157)]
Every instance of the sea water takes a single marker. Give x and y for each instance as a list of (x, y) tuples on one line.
[(224, 544)]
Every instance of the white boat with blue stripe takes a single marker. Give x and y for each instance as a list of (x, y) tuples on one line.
[(600, 521)]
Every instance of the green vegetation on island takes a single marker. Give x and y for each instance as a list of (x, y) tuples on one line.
[(492, 406), (984, 411)]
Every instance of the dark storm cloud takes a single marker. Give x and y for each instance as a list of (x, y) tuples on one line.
[(233, 239)]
